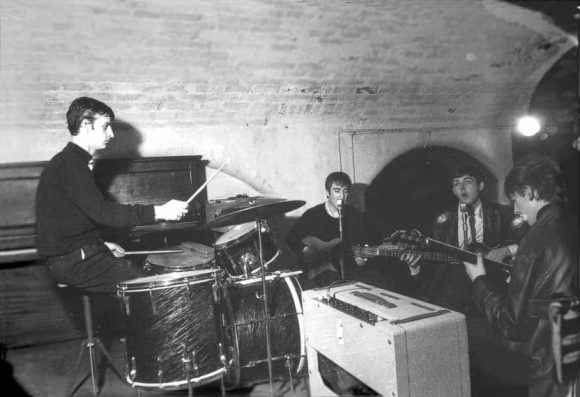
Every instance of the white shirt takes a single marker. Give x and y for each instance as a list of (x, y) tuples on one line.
[(461, 217)]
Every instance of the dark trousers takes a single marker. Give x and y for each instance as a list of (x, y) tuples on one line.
[(99, 272), (547, 386)]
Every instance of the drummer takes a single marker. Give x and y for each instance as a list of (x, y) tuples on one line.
[(70, 208)]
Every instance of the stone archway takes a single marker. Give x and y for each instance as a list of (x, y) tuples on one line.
[(412, 188)]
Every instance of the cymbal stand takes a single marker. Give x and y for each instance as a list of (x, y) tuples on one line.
[(266, 311)]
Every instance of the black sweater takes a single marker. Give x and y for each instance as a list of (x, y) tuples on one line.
[(70, 207)]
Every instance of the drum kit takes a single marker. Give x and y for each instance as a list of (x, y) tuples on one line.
[(218, 316)]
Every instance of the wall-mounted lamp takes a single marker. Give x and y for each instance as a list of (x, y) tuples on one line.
[(530, 126)]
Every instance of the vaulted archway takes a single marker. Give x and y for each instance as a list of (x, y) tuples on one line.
[(412, 188)]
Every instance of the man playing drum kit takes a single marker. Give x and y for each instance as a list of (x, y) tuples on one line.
[(70, 208)]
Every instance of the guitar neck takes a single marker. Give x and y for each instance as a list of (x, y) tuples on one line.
[(395, 251), (460, 254)]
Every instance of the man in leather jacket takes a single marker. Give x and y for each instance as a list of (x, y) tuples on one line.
[(546, 264)]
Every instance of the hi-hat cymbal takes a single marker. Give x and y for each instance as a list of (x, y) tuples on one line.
[(254, 212)]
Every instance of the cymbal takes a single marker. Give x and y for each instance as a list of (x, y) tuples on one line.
[(255, 212), (238, 203)]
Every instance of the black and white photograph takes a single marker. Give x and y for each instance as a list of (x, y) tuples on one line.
[(289, 198)]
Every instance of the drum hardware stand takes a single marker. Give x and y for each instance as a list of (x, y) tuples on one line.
[(153, 307), (266, 312), (159, 373), (90, 343), (189, 366), (130, 370), (289, 364), (224, 362)]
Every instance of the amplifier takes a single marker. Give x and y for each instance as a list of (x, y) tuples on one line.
[(366, 340)]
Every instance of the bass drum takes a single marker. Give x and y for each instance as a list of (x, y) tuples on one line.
[(246, 330), (172, 334)]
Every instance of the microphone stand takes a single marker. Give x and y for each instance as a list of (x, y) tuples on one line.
[(342, 269)]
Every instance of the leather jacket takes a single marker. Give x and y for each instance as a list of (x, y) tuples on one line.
[(546, 264), (447, 284)]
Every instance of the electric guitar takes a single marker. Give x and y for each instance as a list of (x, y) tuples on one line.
[(450, 252), (396, 250)]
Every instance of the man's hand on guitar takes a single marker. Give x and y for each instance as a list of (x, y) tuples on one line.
[(499, 254), (360, 261), (412, 260), (475, 270)]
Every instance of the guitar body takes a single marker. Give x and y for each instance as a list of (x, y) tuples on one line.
[(319, 256)]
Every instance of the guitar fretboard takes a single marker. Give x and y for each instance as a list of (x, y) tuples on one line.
[(462, 255), (396, 251)]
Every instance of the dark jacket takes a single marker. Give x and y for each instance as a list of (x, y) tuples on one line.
[(447, 284), (546, 264), (497, 219)]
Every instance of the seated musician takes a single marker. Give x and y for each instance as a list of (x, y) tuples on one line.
[(546, 264), (70, 208), (474, 224), (315, 237)]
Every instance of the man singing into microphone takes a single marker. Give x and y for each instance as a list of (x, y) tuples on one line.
[(319, 234), (474, 224)]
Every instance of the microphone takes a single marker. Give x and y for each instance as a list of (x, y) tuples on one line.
[(463, 207), (339, 207)]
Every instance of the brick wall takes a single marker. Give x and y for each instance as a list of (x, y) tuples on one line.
[(268, 84)]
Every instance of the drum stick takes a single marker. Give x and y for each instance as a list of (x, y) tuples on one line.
[(206, 182), (178, 251)]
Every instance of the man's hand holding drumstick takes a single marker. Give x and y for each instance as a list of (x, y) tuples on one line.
[(174, 210)]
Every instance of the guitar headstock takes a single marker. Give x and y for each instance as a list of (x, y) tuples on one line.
[(411, 239)]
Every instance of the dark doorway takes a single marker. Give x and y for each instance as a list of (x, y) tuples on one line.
[(413, 188)]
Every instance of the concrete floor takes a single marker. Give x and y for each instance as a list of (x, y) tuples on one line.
[(47, 370)]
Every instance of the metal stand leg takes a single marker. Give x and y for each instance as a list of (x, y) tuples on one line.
[(266, 311), (90, 343)]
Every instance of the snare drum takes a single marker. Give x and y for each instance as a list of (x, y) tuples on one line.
[(245, 331), (171, 329), (237, 251), (187, 260)]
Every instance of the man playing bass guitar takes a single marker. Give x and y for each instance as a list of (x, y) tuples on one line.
[(474, 225), (316, 236)]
